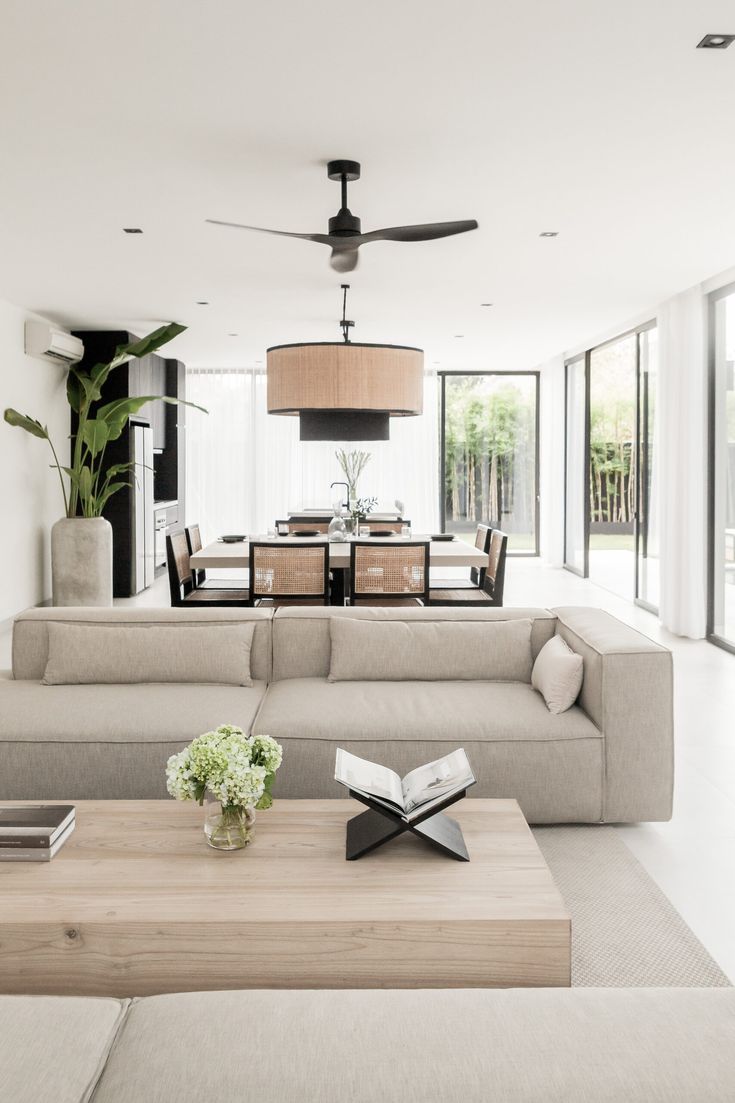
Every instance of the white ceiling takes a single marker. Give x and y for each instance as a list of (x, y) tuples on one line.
[(600, 121)]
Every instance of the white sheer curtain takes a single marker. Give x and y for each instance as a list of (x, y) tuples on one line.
[(245, 468), (219, 462), (683, 463)]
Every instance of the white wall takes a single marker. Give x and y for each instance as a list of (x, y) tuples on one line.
[(31, 494)]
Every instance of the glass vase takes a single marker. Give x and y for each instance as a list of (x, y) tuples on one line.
[(228, 826)]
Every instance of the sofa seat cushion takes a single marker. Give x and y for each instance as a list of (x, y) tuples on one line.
[(141, 713), (313, 708), (53, 1048), (552, 765), (92, 742), (519, 1046)]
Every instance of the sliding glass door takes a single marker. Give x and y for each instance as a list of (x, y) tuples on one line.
[(612, 465), (647, 551), (612, 471), (722, 470), (489, 455), (576, 513)]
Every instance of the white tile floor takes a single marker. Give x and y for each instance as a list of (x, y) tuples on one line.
[(692, 858)]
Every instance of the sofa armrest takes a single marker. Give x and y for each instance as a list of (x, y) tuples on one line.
[(628, 692)]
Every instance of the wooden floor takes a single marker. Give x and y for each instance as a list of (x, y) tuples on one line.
[(136, 903)]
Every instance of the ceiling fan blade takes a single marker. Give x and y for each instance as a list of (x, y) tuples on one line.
[(344, 260), (323, 239), (427, 231)]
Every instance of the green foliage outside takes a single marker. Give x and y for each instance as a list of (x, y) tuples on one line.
[(490, 452), (612, 433)]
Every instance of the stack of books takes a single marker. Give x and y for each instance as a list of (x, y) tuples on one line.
[(34, 832)]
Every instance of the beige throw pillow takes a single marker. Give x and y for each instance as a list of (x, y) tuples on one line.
[(557, 675), (431, 651), (85, 653)]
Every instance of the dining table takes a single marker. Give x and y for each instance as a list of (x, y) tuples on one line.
[(442, 553), (235, 555)]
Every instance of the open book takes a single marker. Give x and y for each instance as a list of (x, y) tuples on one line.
[(418, 792)]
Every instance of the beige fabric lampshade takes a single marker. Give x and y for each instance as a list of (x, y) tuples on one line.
[(342, 376)]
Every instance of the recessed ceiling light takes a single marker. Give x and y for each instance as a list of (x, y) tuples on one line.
[(132, 230), (202, 302), (549, 233), (716, 42)]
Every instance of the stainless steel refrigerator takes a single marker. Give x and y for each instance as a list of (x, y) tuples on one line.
[(142, 560)]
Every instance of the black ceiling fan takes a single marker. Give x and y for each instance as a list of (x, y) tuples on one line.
[(345, 236)]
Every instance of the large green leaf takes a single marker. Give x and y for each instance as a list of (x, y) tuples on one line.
[(109, 490), (95, 435), (74, 391), (85, 486), (155, 340), (73, 475), (22, 421), (116, 413), (117, 469), (142, 347)]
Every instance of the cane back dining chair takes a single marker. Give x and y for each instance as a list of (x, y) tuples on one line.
[(490, 592), (294, 528), (388, 573), (181, 582), (290, 574)]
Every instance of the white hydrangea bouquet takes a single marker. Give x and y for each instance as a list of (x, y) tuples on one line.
[(234, 773)]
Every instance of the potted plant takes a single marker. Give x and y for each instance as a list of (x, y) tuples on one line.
[(234, 773), (359, 510), (81, 542)]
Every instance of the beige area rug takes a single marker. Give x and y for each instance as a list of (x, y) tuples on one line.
[(625, 933)]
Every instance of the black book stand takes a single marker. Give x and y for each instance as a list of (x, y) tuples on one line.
[(371, 829)]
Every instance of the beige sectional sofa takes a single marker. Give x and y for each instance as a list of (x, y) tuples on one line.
[(608, 758), (579, 1045)]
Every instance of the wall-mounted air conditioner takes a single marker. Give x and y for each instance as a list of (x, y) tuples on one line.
[(47, 340)]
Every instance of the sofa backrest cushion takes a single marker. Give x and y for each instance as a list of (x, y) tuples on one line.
[(30, 631), (557, 674), (302, 638), (427, 651), (98, 654)]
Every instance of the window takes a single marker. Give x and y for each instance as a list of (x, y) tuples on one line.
[(489, 455)]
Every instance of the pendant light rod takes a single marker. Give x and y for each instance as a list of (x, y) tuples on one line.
[(345, 323)]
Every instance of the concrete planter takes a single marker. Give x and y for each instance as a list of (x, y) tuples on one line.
[(81, 561)]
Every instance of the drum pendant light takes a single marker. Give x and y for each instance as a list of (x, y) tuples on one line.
[(345, 390)]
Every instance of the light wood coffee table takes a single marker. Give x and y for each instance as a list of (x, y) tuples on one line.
[(136, 903)]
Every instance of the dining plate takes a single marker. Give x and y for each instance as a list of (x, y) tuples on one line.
[(232, 539), (307, 532), (382, 532), (442, 536)]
